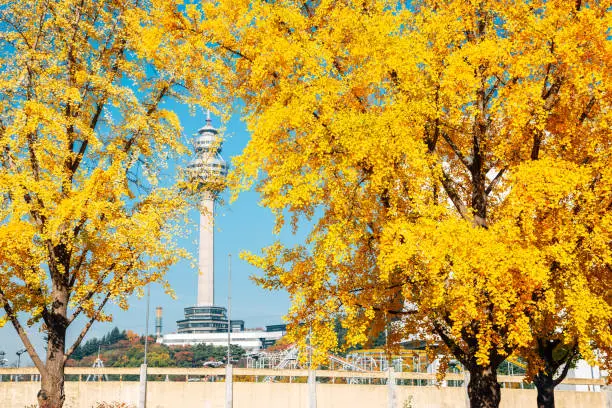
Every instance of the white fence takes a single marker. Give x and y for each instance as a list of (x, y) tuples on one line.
[(206, 388)]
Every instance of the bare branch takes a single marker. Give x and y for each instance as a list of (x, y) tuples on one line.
[(22, 334), (495, 181), (86, 328), (87, 297)]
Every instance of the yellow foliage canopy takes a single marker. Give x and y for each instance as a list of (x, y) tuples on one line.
[(83, 136), (454, 156)]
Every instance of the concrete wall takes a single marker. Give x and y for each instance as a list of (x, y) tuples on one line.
[(278, 395)]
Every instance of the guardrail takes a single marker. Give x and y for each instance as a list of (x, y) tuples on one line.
[(255, 374)]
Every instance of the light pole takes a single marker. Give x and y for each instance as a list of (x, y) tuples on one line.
[(3, 361), (229, 304), (19, 353), (229, 380), (147, 324), (142, 403)]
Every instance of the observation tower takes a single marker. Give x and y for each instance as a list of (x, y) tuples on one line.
[(209, 170), (206, 322)]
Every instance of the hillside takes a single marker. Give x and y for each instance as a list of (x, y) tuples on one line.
[(126, 349)]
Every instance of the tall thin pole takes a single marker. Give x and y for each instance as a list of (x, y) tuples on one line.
[(229, 376), (312, 378), (142, 402), (147, 323), (229, 304)]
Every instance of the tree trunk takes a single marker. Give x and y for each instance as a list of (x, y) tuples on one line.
[(483, 389), (53, 383), (52, 378), (546, 390), (555, 355)]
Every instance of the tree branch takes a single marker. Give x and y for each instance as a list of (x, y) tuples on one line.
[(77, 267), (495, 181), (394, 286), (87, 297), (569, 359), (86, 328), (491, 90), (22, 334), (535, 149), (447, 183), (152, 108), (393, 312), (450, 343), (456, 150), (587, 110), (235, 52), (578, 5)]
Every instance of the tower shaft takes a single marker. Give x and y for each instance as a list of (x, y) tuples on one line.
[(206, 258)]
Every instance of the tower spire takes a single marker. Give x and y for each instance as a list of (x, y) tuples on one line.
[(208, 121)]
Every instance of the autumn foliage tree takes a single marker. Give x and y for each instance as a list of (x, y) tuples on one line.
[(454, 158), (83, 137)]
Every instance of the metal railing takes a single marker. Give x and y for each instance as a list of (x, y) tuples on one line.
[(259, 374)]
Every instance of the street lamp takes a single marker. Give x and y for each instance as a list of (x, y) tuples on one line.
[(19, 353), (3, 361)]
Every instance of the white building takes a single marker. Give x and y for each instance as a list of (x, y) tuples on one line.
[(251, 341)]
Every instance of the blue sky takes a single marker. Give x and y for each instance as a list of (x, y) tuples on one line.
[(242, 225)]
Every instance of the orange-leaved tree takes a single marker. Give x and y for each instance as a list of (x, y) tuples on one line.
[(83, 137), (432, 145)]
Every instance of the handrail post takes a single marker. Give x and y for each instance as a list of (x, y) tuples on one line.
[(142, 401), (229, 386), (312, 388), (391, 388), (466, 383)]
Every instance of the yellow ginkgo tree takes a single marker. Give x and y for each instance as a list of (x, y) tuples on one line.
[(453, 158), (83, 137)]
